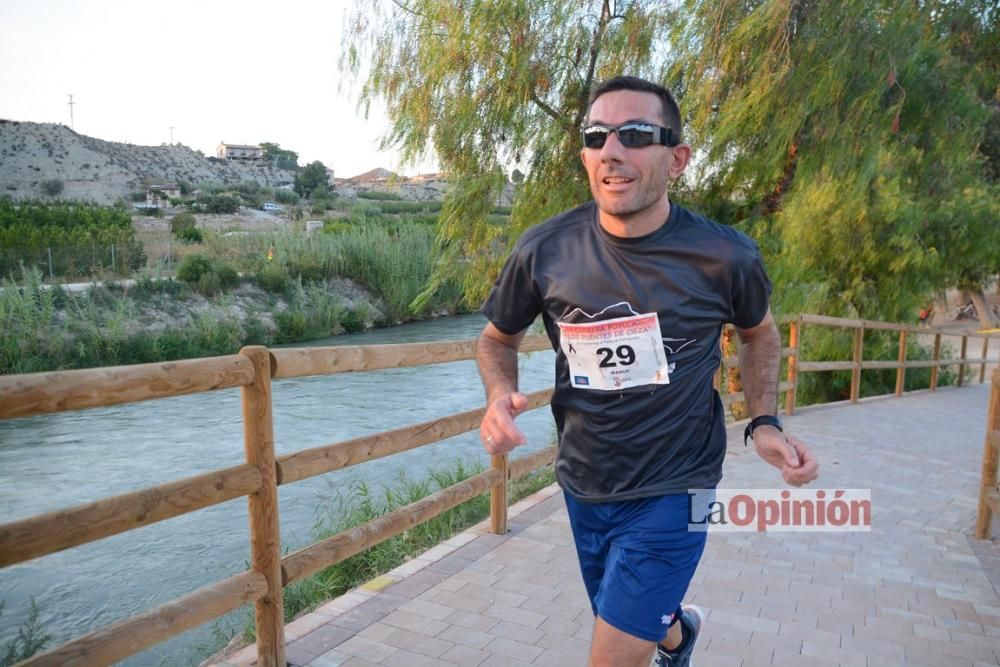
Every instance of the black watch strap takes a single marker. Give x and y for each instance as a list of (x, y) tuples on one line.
[(763, 420)]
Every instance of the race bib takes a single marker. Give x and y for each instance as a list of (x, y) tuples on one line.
[(612, 355)]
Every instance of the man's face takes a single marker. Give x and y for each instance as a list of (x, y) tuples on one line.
[(624, 181)]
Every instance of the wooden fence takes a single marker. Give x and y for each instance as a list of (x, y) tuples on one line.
[(252, 370), (858, 363)]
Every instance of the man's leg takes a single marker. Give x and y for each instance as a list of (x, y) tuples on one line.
[(610, 647), (674, 636), (652, 558)]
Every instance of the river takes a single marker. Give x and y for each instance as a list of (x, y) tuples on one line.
[(57, 461)]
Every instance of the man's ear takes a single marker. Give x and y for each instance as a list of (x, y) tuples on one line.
[(680, 156)]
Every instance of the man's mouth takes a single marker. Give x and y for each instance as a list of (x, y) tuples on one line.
[(613, 184)]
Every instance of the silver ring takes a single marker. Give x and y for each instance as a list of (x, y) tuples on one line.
[(489, 439)]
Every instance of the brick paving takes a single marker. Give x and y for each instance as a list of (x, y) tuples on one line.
[(918, 589)]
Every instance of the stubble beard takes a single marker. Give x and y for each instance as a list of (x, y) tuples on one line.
[(641, 201)]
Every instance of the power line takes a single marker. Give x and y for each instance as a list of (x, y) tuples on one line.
[(71, 103)]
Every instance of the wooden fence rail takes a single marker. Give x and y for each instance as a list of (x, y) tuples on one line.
[(252, 370)]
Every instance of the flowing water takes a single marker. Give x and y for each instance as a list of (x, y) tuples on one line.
[(56, 461)]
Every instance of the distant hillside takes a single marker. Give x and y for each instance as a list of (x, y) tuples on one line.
[(420, 188), (104, 171)]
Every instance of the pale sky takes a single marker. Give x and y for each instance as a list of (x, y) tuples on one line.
[(216, 70)]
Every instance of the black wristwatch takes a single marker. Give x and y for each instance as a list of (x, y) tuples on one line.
[(763, 420)]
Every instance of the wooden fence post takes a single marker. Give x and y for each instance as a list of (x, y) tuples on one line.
[(901, 370), (937, 357), (986, 350), (265, 538), (961, 366), (731, 375), (498, 496), (859, 341), (793, 365), (988, 497)]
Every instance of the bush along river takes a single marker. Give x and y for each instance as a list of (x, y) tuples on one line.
[(57, 461)]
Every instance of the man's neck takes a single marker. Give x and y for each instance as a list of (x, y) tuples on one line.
[(638, 224)]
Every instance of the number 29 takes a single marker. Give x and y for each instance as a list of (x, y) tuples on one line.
[(624, 354)]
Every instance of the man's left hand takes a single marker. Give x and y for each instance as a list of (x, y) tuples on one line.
[(787, 453)]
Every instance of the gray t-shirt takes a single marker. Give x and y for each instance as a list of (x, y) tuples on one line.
[(696, 275)]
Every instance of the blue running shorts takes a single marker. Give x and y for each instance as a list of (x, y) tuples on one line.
[(637, 558)]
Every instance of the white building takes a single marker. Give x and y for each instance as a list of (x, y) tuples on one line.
[(238, 152)]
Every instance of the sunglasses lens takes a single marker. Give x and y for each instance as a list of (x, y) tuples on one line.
[(635, 136), (595, 136)]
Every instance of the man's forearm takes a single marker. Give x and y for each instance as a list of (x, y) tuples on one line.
[(760, 359), (497, 367)]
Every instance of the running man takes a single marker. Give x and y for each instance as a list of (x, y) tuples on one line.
[(639, 288)]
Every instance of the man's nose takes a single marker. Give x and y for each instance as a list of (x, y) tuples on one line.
[(612, 151)]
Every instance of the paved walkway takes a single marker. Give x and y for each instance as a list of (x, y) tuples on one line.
[(916, 590)]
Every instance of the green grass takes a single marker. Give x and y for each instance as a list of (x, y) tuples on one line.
[(30, 639), (45, 329), (393, 260)]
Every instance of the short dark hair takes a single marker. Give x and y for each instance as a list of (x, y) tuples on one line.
[(671, 112)]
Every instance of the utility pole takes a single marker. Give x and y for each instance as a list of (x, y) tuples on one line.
[(71, 103), (171, 135)]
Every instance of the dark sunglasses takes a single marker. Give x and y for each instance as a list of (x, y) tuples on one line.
[(631, 135)]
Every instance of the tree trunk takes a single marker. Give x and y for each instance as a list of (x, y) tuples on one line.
[(986, 318)]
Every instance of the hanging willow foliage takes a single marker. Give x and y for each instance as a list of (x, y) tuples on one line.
[(847, 137)]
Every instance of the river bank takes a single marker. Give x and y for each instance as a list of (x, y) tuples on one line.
[(48, 327)]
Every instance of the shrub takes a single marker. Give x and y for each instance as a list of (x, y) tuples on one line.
[(180, 222), (52, 187), (336, 227), (249, 188), (252, 200), (193, 267), (220, 204), (228, 276), (404, 206), (365, 209), (422, 218), (208, 284), (287, 197), (190, 235), (382, 196), (207, 276), (272, 278)]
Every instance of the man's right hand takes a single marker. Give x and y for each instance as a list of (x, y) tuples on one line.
[(498, 431)]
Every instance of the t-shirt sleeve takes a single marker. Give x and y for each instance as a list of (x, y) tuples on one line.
[(513, 303), (750, 289)]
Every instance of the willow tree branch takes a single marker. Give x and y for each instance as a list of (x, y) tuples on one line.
[(595, 49), (408, 10), (541, 104)]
